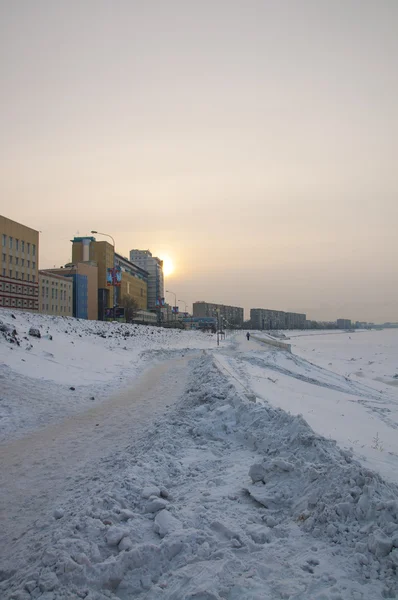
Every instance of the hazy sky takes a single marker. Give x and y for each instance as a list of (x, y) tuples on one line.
[(254, 142)]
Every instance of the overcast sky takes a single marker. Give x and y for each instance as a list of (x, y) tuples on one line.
[(254, 142)]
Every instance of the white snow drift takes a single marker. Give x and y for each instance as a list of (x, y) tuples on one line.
[(214, 497)]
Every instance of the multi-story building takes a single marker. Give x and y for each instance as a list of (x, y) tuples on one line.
[(154, 268), (134, 279), (85, 288), (296, 320), (55, 294), (232, 314), (343, 323), (19, 275), (264, 318), (134, 282)]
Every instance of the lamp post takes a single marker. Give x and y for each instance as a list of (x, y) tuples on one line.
[(114, 265), (175, 302), (183, 301)]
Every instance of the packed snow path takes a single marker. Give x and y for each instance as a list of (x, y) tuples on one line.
[(46, 466)]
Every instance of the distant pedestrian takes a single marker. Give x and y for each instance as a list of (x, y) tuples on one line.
[(248, 336)]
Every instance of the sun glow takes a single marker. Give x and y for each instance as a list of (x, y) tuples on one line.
[(168, 267)]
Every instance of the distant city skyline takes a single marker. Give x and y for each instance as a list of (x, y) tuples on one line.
[(254, 143)]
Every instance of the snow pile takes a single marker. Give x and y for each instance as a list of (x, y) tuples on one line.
[(74, 364), (220, 498)]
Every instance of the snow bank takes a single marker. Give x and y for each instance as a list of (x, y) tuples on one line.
[(74, 364), (221, 498)]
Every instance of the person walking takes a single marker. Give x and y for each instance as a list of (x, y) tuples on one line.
[(248, 336)]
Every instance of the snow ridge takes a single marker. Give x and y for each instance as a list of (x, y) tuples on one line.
[(220, 498)]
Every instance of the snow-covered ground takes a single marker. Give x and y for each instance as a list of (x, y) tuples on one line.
[(97, 359), (184, 478)]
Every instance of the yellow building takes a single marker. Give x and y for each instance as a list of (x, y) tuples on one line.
[(134, 279), (55, 294), (19, 274)]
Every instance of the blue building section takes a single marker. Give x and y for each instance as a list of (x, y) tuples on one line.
[(80, 296)]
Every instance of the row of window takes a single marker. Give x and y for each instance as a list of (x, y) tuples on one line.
[(19, 302), (18, 275), (54, 293), (18, 244), (14, 288), (54, 308), (62, 284), (19, 261)]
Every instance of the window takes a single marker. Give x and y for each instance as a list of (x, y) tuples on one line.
[(10, 242), (34, 249), (56, 294), (16, 244), (23, 246), (4, 257), (42, 306), (28, 247), (46, 306), (16, 274), (23, 262), (4, 273), (52, 294), (4, 240), (43, 292), (28, 277), (28, 264), (34, 278), (16, 260), (33, 265), (23, 276), (10, 272), (10, 260)]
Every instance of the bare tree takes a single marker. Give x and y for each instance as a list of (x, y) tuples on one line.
[(131, 308)]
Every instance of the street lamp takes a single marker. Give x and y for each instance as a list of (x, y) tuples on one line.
[(183, 301), (186, 305), (114, 265), (175, 302)]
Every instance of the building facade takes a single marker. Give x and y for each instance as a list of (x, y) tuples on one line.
[(19, 275), (232, 314), (343, 323), (134, 279), (85, 288), (264, 318), (134, 283), (154, 268), (55, 294)]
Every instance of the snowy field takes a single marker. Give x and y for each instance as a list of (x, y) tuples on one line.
[(178, 470)]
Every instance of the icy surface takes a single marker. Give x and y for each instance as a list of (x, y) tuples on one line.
[(184, 483)]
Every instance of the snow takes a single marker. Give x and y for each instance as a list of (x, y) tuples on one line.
[(184, 478), (96, 359)]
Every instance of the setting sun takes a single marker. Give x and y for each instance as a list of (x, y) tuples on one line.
[(168, 267)]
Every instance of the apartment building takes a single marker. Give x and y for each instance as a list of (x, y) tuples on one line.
[(232, 314), (264, 318), (19, 274), (344, 323), (154, 268), (85, 288), (55, 294)]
